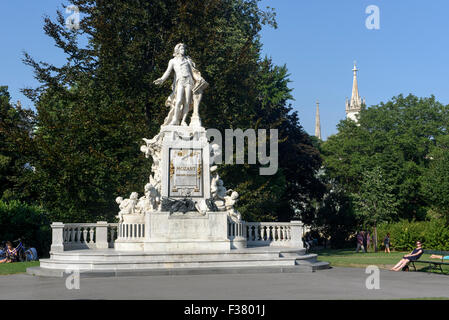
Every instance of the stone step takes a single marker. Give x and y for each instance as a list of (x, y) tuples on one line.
[(78, 257), (110, 261), (43, 272), (113, 265)]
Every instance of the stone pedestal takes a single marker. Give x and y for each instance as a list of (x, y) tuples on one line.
[(190, 232), (131, 233), (179, 211), (57, 237), (185, 163)]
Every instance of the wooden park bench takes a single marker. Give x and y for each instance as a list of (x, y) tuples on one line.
[(433, 264)]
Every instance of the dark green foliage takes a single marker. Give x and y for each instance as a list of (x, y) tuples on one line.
[(27, 222), (16, 149), (435, 181), (434, 234), (334, 217)]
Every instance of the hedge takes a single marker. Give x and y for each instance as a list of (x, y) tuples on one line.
[(27, 222), (433, 234)]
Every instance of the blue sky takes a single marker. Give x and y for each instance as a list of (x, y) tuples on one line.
[(318, 41)]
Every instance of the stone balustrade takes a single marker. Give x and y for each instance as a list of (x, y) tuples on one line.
[(131, 231), (101, 235), (236, 229), (70, 236), (280, 234)]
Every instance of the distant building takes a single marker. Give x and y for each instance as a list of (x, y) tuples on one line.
[(354, 105), (317, 121)]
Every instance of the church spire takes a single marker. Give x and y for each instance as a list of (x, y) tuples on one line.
[(354, 105), (317, 121), (355, 87)]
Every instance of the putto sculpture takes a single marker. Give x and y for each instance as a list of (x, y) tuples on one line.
[(187, 88)]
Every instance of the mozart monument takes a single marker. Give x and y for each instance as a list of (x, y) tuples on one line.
[(184, 217)]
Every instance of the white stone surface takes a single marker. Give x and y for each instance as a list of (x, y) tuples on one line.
[(191, 231), (187, 89), (112, 259)]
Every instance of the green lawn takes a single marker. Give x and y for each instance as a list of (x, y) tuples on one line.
[(349, 258), (17, 267)]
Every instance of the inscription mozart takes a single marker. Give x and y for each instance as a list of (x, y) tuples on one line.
[(185, 173)]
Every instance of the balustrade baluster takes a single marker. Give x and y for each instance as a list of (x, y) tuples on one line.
[(91, 235), (78, 234), (112, 234), (84, 232)]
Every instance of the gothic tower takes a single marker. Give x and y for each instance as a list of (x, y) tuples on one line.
[(354, 106), (317, 121)]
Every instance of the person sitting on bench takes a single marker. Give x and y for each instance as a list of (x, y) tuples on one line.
[(413, 256), (435, 256)]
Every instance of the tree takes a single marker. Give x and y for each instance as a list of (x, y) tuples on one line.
[(375, 201), (334, 217), (16, 149), (435, 181), (94, 110), (395, 136)]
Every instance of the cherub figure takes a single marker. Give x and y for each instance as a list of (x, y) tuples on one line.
[(127, 206), (230, 201)]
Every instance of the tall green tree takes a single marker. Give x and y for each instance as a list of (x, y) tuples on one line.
[(435, 181), (334, 216), (16, 149), (375, 202), (94, 110)]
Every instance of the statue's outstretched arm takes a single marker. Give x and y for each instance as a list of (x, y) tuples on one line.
[(166, 74)]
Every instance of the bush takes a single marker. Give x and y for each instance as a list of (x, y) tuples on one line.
[(27, 222), (433, 234)]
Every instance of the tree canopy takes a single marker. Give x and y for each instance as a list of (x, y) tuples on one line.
[(16, 149), (395, 137)]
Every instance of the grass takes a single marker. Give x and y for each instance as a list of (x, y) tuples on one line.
[(349, 258), (16, 267)]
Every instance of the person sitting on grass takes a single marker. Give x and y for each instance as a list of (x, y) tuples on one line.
[(11, 254), (413, 256)]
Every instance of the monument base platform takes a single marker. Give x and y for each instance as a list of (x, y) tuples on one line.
[(111, 262)]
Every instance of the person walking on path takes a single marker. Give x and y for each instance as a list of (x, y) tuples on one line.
[(359, 242)]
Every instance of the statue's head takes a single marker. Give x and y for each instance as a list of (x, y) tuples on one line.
[(180, 50)]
